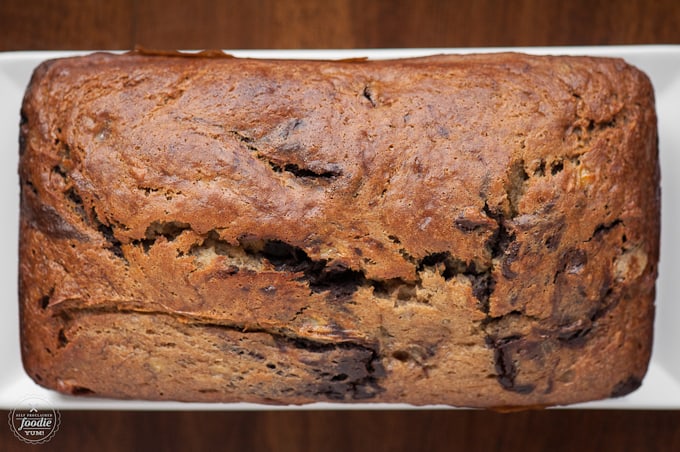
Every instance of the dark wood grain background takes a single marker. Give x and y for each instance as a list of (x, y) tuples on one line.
[(195, 24), (231, 24)]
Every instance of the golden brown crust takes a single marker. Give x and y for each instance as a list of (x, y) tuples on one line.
[(476, 230)]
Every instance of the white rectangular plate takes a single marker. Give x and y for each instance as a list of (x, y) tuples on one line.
[(661, 387)]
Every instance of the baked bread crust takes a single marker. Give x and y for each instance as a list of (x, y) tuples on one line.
[(477, 230)]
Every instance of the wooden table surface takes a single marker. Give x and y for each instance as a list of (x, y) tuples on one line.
[(193, 24)]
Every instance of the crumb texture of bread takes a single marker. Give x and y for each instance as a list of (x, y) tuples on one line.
[(478, 230)]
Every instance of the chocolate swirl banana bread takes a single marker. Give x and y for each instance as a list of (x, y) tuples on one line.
[(476, 230)]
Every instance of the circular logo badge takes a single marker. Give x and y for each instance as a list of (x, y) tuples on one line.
[(34, 421)]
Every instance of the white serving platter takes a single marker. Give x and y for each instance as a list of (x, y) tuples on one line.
[(661, 387)]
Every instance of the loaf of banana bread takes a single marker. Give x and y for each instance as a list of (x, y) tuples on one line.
[(477, 230)]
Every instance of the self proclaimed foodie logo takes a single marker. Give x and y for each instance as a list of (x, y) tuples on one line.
[(34, 421)]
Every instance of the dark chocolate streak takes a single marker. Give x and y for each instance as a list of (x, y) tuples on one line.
[(506, 354), (343, 368), (503, 247), (47, 219), (23, 126), (626, 386), (468, 225)]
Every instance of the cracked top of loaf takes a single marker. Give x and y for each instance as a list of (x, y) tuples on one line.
[(475, 230)]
